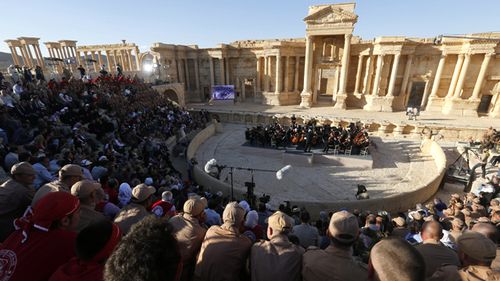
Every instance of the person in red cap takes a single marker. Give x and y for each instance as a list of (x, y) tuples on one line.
[(94, 245), (43, 241)]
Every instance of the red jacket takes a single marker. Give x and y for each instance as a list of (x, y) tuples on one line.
[(161, 209), (38, 257)]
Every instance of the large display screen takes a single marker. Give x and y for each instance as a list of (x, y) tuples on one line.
[(223, 92)]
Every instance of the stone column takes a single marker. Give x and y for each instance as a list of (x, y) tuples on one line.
[(15, 58), (39, 55), (345, 64), (461, 79), (378, 74), (266, 74), (368, 75), (212, 74), (137, 61), (287, 79), (99, 56), (129, 57), (196, 74), (456, 73), (222, 72), (30, 56), (277, 89), (296, 74), (186, 72), (306, 92), (65, 52), (394, 72), (115, 59), (108, 60), (92, 55), (480, 77), (257, 80), (437, 77), (226, 66), (358, 74), (406, 75)]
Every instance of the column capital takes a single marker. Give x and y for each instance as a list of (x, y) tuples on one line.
[(348, 36), (490, 54)]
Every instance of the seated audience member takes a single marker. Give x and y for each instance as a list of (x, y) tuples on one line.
[(277, 259), (225, 249), (137, 209), (94, 244), (490, 231), (44, 241), (189, 231), (395, 259), (336, 261), (15, 196), (68, 175), (308, 235), (164, 206), (87, 191), (252, 224), (476, 253), (435, 254), (148, 253), (400, 229), (213, 218)]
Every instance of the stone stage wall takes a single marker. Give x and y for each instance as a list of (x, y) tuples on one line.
[(394, 203)]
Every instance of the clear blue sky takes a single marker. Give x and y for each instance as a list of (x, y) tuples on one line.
[(209, 22)]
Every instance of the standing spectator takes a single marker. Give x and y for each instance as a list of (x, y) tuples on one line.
[(44, 241), (68, 175), (336, 261), (119, 70), (39, 73), (137, 209), (27, 75), (15, 196), (277, 259), (94, 245), (395, 259), (87, 193), (18, 89), (189, 232), (434, 253), (308, 235), (12, 71), (225, 249), (148, 252), (82, 71)]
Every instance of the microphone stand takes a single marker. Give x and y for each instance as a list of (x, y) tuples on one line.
[(251, 170)]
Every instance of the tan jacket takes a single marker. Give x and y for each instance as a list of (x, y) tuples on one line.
[(54, 186), (88, 216), (332, 264), (276, 260), (436, 255), (189, 234), (222, 256), (130, 215), (470, 273)]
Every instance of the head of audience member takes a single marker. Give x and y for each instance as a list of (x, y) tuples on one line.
[(23, 173), (432, 231), (399, 222), (70, 174), (343, 229), (305, 217), (233, 217), (143, 195), (475, 248), (279, 223), (488, 230), (457, 225), (252, 219), (167, 196), (148, 252), (395, 259), (195, 207), (87, 192), (97, 241)]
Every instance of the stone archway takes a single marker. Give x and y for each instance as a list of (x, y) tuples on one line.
[(174, 91), (171, 94)]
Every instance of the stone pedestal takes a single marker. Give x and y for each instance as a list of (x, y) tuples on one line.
[(340, 103), (460, 107), (271, 98), (305, 100), (376, 103), (435, 104)]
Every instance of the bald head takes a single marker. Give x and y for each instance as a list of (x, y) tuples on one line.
[(488, 230), (395, 259), (432, 230)]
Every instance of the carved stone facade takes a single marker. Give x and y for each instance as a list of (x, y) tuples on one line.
[(331, 66), (125, 54), (26, 45)]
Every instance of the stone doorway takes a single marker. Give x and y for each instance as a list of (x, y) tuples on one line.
[(416, 94)]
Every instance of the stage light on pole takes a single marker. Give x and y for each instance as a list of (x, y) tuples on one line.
[(148, 67)]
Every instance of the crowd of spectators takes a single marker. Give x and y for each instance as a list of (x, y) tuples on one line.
[(91, 194)]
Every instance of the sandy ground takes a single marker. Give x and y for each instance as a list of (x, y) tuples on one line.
[(397, 167)]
